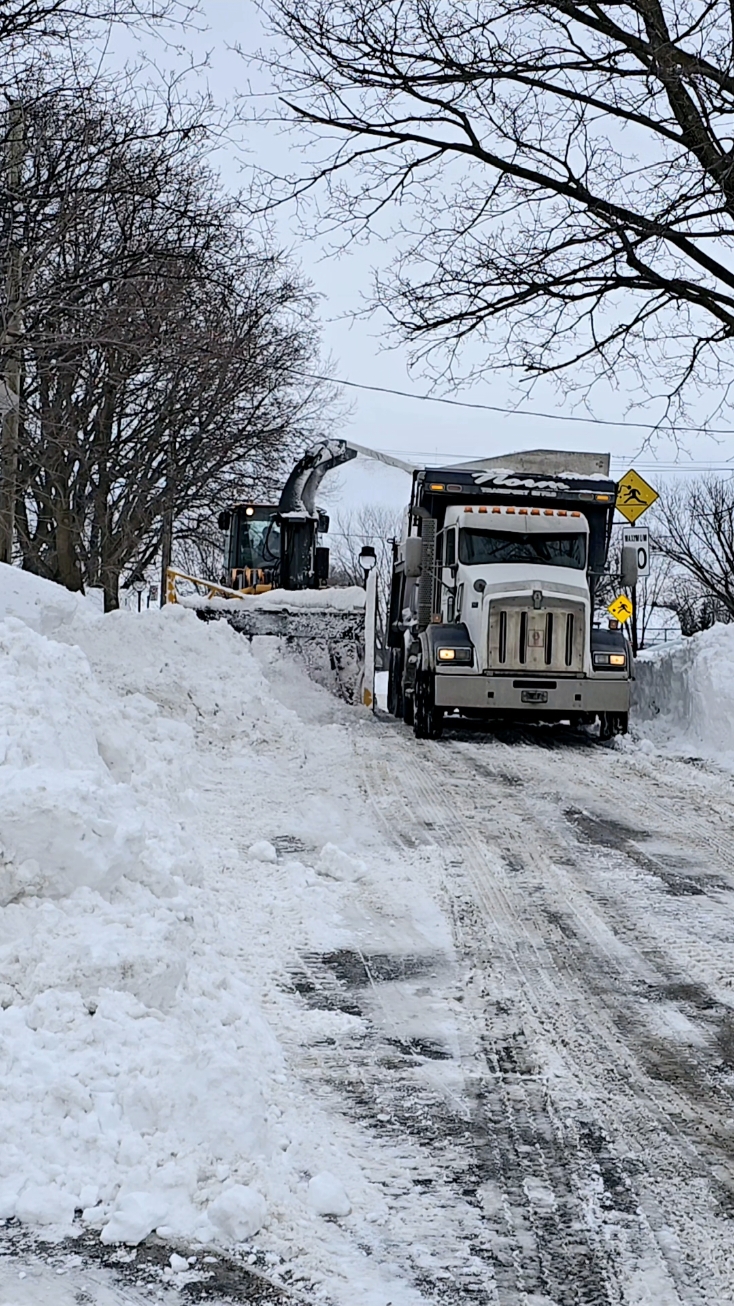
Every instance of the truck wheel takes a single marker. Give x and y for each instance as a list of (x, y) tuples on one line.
[(395, 683), (408, 709), (428, 719), (613, 723)]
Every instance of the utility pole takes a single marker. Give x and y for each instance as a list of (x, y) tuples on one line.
[(166, 551), (11, 337)]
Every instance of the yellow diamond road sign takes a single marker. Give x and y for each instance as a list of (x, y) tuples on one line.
[(634, 495), (621, 608)]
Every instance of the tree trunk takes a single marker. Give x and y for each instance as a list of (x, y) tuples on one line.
[(11, 344), (111, 588)]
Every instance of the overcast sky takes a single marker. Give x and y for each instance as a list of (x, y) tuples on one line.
[(415, 430)]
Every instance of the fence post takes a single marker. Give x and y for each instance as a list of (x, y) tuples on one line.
[(370, 628)]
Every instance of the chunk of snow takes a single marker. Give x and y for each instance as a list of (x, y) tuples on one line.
[(238, 1213), (178, 1263), (327, 1195), (339, 865), (135, 1216), (45, 1204), (262, 851)]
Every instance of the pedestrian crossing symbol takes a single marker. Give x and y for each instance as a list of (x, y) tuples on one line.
[(621, 608), (634, 496)]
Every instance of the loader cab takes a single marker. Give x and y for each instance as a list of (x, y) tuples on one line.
[(252, 551)]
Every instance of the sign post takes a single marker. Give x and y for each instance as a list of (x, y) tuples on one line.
[(634, 496)]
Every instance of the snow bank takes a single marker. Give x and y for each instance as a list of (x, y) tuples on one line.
[(173, 837), (684, 696), (349, 599)]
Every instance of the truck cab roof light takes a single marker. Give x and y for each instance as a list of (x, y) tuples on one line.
[(575, 514), (562, 512), (468, 510), (482, 509), (535, 512), (511, 510), (548, 512), (436, 487), (496, 510), (523, 512)]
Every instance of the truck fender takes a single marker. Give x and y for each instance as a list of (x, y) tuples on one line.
[(442, 635)]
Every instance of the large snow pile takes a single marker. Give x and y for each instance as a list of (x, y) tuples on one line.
[(684, 696), (167, 848)]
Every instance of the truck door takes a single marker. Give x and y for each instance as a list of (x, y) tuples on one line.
[(447, 599)]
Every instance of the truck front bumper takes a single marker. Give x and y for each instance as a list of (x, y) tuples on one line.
[(532, 695)]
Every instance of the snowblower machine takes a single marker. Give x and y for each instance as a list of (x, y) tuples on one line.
[(276, 576)]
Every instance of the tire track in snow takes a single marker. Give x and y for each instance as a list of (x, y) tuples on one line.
[(551, 973)]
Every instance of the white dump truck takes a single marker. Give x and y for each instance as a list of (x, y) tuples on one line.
[(493, 593)]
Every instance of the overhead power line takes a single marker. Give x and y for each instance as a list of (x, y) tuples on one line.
[(515, 412)]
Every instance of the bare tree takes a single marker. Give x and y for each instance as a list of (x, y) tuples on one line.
[(162, 351), (378, 526), (695, 608), (694, 528), (32, 27), (651, 592), (559, 172)]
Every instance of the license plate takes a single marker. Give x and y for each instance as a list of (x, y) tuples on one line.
[(534, 696)]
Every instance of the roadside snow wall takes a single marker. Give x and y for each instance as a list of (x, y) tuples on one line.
[(683, 697), (180, 823)]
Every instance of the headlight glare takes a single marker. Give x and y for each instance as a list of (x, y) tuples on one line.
[(610, 660), (455, 655)]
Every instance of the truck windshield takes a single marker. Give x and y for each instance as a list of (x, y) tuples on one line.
[(483, 547)]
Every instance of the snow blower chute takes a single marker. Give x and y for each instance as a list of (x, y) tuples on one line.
[(276, 576)]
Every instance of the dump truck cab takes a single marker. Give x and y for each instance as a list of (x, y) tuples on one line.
[(492, 597)]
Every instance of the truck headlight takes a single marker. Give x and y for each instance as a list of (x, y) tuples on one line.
[(609, 660), (455, 655)]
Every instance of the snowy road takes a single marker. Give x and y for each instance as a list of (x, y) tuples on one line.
[(591, 893), (479, 992)]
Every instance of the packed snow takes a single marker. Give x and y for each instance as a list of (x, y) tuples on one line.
[(683, 696), (173, 837), (347, 598)]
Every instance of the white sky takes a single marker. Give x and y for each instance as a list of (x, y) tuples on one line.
[(412, 429)]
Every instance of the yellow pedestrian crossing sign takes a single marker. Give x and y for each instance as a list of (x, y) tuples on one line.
[(634, 496), (621, 608)]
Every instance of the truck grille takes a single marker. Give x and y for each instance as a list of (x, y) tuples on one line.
[(551, 639)]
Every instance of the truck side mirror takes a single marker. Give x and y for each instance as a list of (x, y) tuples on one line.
[(630, 567), (223, 521), (413, 556)]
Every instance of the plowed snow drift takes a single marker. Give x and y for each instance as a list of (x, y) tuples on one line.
[(394, 1023)]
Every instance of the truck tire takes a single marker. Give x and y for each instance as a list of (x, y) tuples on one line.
[(428, 719), (408, 709), (613, 723), (395, 683)]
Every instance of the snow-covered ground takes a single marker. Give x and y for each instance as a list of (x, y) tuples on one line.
[(391, 1022), (173, 839)]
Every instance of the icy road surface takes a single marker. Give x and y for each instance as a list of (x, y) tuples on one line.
[(488, 982)]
